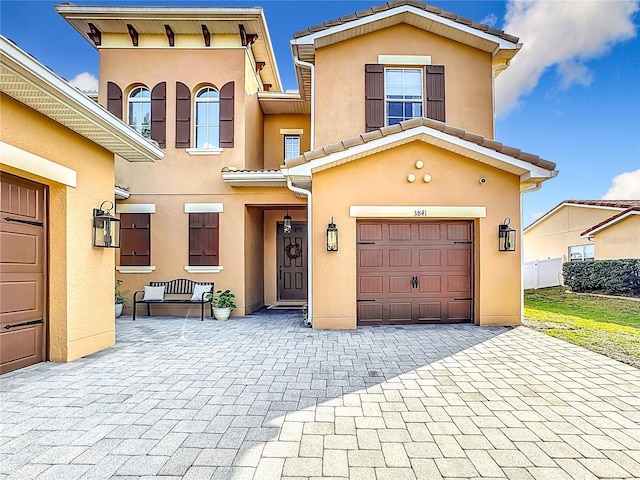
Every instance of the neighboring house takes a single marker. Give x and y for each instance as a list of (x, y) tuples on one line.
[(57, 164), (579, 230), (390, 140)]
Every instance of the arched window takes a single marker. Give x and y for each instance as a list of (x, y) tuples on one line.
[(140, 111), (207, 118)]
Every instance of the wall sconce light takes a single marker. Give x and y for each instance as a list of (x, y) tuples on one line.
[(506, 237), (106, 227), (286, 221), (332, 237)]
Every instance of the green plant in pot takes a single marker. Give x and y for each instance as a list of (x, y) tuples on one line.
[(120, 298), (222, 304)]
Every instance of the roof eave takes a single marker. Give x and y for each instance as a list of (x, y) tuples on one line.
[(254, 179), (48, 83)]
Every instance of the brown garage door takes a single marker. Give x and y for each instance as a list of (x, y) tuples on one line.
[(414, 272), (22, 273)]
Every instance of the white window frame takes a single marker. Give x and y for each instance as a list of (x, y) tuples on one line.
[(387, 100), (212, 148), (580, 250), (139, 127), (295, 150)]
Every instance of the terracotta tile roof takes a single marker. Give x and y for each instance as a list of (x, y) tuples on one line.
[(414, 3), (606, 203), (418, 122), (613, 218)]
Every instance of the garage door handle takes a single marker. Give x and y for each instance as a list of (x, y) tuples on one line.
[(28, 222), (24, 324), (414, 282)]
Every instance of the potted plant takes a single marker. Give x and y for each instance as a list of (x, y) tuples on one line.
[(121, 298), (222, 304)]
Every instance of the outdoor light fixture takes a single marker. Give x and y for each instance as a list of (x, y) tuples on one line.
[(106, 227), (506, 237), (287, 222), (332, 237)]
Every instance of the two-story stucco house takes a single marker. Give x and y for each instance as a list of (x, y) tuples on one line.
[(388, 146)]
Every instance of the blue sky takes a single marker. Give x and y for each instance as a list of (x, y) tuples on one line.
[(572, 95)]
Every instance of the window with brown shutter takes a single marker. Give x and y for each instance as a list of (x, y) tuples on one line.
[(114, 99), (374, 96), (159, 114), (435, 92), (135, 239), (226, 115), (203, 239), (183, 116)]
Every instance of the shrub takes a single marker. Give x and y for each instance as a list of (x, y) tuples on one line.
[(613, 277)]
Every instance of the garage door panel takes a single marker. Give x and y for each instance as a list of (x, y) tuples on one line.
[(370, 312), (400, 257), (459, 232), (458, 284), (430, 257), (431, 284), (400, 312), (430, 311), (369, 232), (459, 258), (459, 311), (400, 232), (22, 347), (371, 285), (400, 284), (429, 232), (371, 258)]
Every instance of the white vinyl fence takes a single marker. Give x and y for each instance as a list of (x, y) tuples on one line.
[(543, 273)]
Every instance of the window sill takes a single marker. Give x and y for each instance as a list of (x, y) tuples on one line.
[(135, 269), (204, 151), (203, 269)]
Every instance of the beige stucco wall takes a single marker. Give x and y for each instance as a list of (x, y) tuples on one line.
[(340, 94), (621, 240), (274, 140), (553, 236), (81, 277), (381, 179)]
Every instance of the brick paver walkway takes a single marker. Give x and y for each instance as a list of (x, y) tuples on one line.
[(262, 397)]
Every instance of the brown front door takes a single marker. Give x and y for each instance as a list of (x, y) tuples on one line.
[(292, 262), (414, 272), (22, 273)]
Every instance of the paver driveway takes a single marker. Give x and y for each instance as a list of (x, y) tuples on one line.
[(263, 397)]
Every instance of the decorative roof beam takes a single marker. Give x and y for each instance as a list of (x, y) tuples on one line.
[(247, 38), (170, 36), (260, 66), (95, 35), (133, 34), (206, 35), (267, 87)]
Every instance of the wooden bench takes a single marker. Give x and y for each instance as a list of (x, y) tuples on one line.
[(179, 286)]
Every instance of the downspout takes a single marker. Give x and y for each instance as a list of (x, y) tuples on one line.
[(530, 189), (307, 193), (494, 74), (312, 141)]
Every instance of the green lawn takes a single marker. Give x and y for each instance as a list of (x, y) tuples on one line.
[(609, 326)]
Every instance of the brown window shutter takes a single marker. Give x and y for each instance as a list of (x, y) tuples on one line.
[(135, 239), (435, 92), (114, 99), (183, 116), (159, 114), (226, 115), (374, 96), (203, 238)]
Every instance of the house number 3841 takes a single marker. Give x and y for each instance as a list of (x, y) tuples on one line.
[(420, 213)]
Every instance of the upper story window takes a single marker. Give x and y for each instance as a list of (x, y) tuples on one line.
[(403, 94), (291, 146), (140, 111), (207, 109), (580, 253)]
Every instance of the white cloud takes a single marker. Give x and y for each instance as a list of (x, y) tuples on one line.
[(85, 82), (561, 34), (626, 186), (490, 20)]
